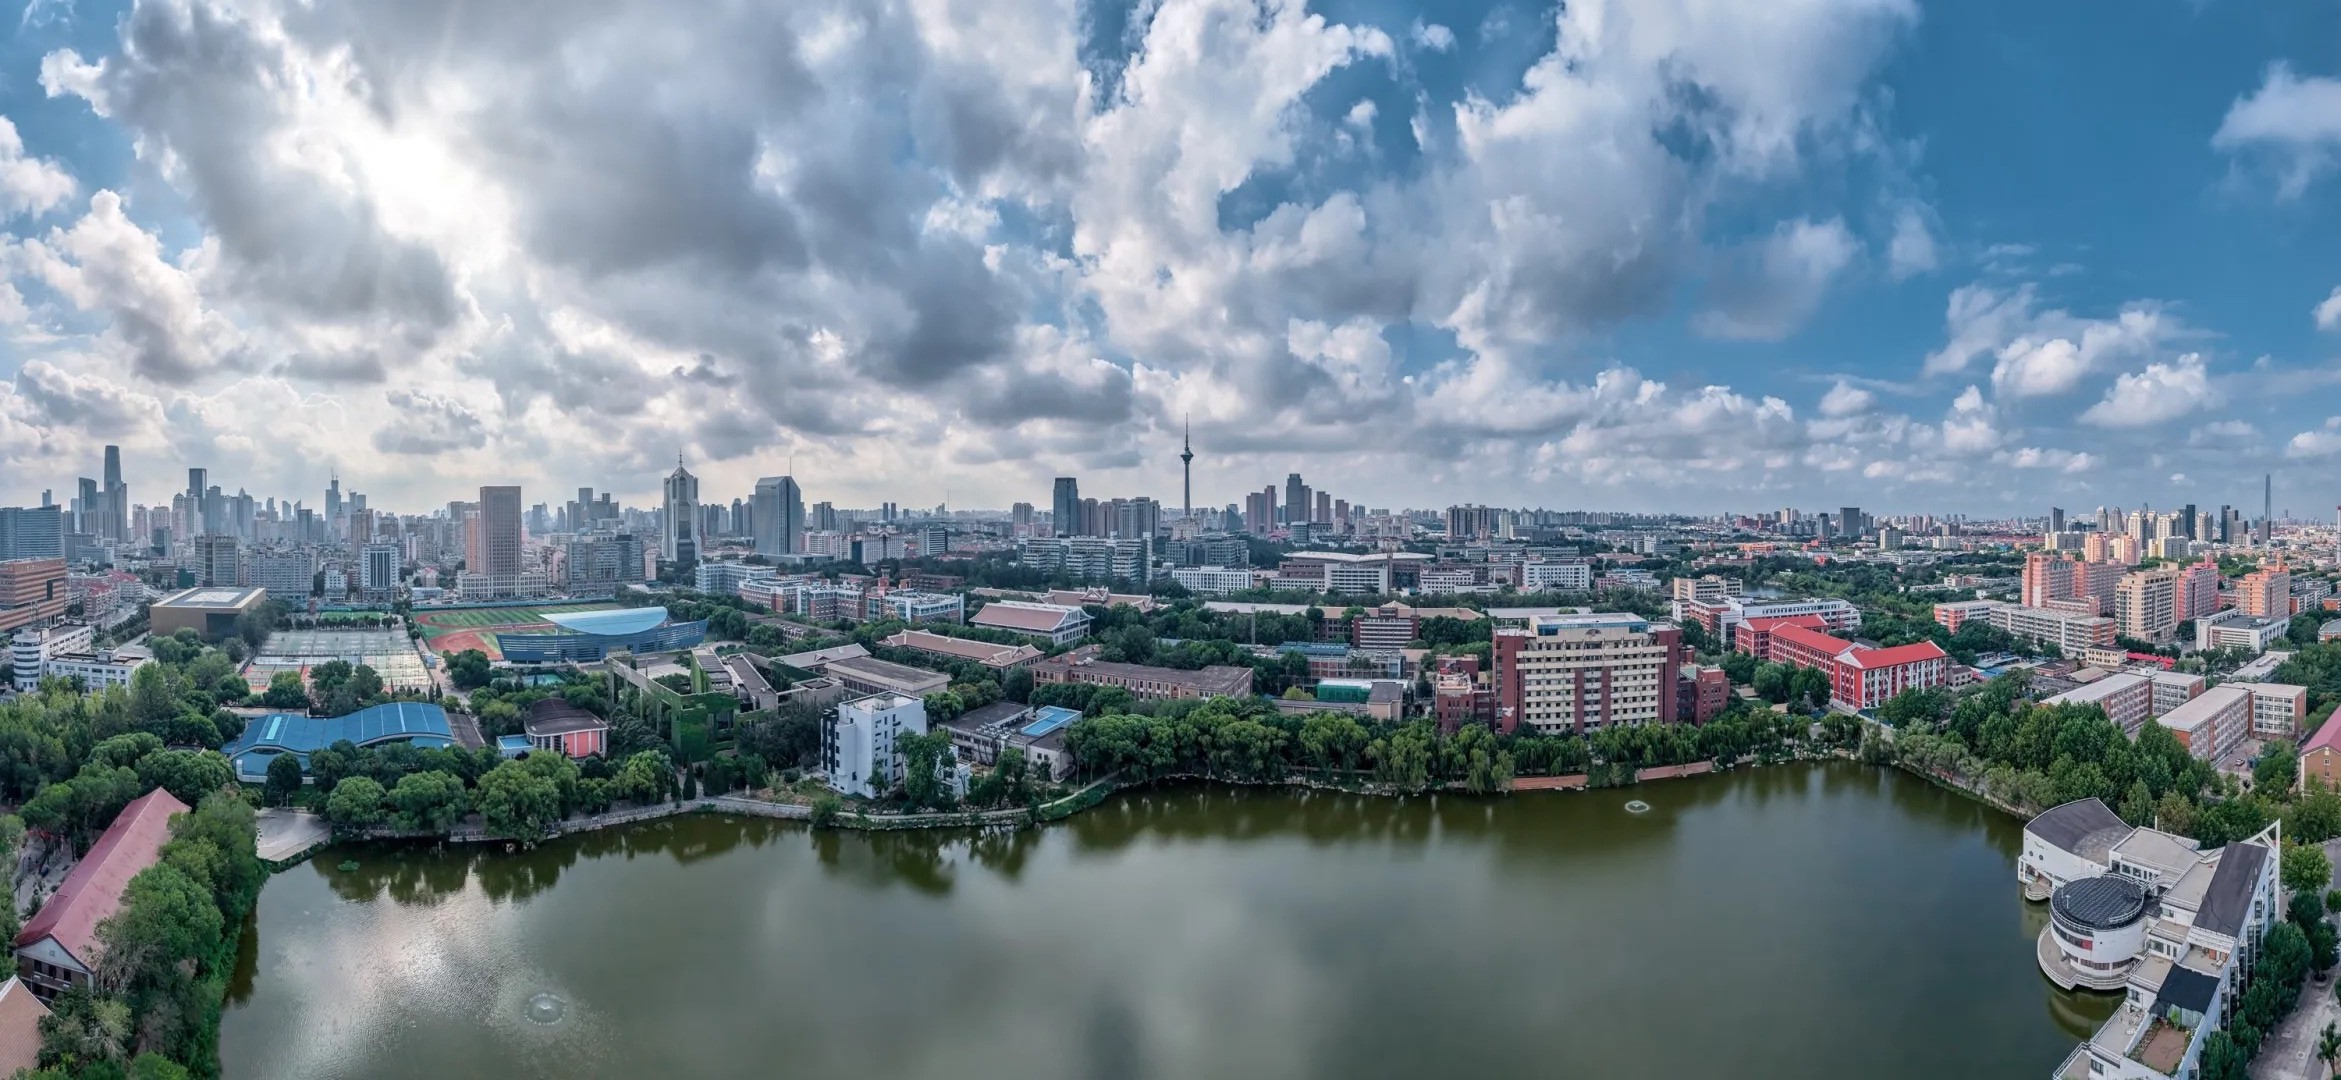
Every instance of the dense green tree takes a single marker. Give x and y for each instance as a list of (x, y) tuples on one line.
[(2306, 868), (188, 775), (518, 803), (430, 801), (645, 778), (284, 779), (355, 807), (286, 691)]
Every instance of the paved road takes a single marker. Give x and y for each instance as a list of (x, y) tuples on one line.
[(286, 833), (2290, 1052)]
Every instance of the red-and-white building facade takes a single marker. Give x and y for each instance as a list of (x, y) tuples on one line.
[(1860, 677)]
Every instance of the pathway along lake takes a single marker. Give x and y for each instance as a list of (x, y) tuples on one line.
[(1802, 921)]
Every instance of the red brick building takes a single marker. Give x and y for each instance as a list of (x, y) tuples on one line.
[(1700, 693)]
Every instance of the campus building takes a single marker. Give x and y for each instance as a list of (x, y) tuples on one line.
[(857, 746), (1001, 658), (1721, 618), (58, 948), (210, 612), (31, 591), (1860, 677), (415, 722), (1578, 673), (587, 636), (1143, 681), (2149, 915), (1053, 623)]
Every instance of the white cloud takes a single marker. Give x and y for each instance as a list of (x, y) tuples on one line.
[(28, 185), (2033, 457), (2295, 121), (2328, 311), (1433, 37), (1845, 399), (1972, 425), (2044, 352), (1912, 250), (2159, 393), (2320, 442)]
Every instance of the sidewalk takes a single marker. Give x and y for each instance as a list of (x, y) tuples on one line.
[(2290, 1052)]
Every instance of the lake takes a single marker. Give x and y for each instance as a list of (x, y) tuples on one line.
[(1799, 921)]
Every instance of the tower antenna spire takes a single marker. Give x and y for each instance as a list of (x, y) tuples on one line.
[(1187, 465)]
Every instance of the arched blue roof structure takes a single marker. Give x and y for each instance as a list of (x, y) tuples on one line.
[(417, 722), (613, 623)]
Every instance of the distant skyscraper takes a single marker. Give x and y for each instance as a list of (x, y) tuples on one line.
[(1296, 498), (2056, 519), (333, 506), (497, 551), (678, 537), (117, 496), (34, 533), (1849, 521), (780, 516), (1065, 507)]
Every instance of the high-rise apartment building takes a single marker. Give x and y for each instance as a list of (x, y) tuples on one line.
[(1296, 498), (36, 532), (215, 561), (780, 516), (2265, 593), (1580, 673), (678, 538), (2046, 577), (31, 591), (494, 544), (1065, 507), (2146, 605), (378, 571), (1260, 511)]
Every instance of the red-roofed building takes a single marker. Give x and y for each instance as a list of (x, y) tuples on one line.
[(2321, 755), (1867, 678), (1860, 677), (57, 950), (1754, 637)]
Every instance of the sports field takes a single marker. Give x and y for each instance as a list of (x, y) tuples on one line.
[(448, 632)]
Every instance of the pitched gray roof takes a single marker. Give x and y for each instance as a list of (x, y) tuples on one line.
[(2084, 827), (2228, 900), (2187, 989)]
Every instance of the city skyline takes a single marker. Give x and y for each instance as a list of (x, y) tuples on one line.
[(1840, 276)]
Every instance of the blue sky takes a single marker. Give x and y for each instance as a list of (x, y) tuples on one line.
[(1961, 258)]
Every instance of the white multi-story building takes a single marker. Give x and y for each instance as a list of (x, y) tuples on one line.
[(1722, 617), (97, 668), (526, 585), (2232, 629), (912, 606), (2149, 915), (30, 650), (2071, 633), (1358, 578), (2277, 708), (727, 577), (1212, 580), (1094, 558), (288, 574), (2145, 604), (858, 745), (1556, 577), (378, 571), (1447, 581)]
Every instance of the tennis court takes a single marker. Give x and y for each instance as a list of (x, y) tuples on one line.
[(388, 652)]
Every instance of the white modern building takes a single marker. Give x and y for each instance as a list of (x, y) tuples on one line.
[(2232, 629), (912, 606), (96, 668), (30, 650), (288, 574), (1571, 576), (857, 746), (2150, 915), (1212, 580)]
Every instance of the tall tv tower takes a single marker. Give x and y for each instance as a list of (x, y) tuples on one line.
[(1187, 467)]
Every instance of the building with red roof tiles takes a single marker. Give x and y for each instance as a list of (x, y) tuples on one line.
[(57, 949), (1860, 677)]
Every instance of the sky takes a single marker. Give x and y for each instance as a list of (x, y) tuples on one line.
[(1684, 255)]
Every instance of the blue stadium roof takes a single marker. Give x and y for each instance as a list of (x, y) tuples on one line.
[(280, 732), (611, 623)]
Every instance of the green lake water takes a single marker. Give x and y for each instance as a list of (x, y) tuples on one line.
[(1805, 921)]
